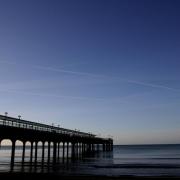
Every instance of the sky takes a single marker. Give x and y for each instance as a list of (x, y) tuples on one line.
[(108, 67)]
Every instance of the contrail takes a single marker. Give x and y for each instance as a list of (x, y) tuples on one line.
[(7, 62), (60, 70), (69, 72), (109, 77), (153, 85)]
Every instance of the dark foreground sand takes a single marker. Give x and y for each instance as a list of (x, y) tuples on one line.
[(53, 176)]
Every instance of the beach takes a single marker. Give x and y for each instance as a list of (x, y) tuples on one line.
[(80, 177)]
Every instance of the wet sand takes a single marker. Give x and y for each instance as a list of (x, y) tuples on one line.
[(52, 176)]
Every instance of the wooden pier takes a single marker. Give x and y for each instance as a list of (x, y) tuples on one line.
[(15, 129)]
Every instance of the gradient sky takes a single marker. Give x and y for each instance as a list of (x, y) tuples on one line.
[(110, 67)]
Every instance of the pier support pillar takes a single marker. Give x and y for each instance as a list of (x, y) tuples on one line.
[(76, 149), (13, 153), (58, 149), (82, 148), (49, 151), (31, 152), (73, 151), (98, 147), (93, 147), (63, 150), (43, 148), (54, 152), (36, 149), (108, 146), (23, 152), (67, 150), (104, 147)]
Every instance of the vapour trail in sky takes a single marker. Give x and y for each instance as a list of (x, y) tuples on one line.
[(61, 70)]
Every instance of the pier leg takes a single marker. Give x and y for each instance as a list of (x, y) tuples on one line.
[(31, 153), (43, 152), (90, 147), (63, 150), (49, 151), (73, 151), (98, 147), (67, 150), (36, 149), (104, 147), (77, 150), (82, 148), (58, 149), (23, 153), (93, 147), (13, 153), (54, 152)]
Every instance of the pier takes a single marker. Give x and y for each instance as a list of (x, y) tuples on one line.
[(80, 143)]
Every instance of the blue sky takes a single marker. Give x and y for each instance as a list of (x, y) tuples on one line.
[(107, 67)]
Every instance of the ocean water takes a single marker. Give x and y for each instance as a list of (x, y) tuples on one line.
[(125, 160)]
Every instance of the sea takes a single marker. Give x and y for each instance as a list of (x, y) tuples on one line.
[(124, 160)]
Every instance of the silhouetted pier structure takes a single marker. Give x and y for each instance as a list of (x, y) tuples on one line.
[(15, 129)]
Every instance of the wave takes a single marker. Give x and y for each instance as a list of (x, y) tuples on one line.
[(161, 166)]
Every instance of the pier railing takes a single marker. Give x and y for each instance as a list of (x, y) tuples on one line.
[(19, 123)]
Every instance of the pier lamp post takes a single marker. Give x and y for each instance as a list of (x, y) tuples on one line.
[(6, 114), (19, 116)]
